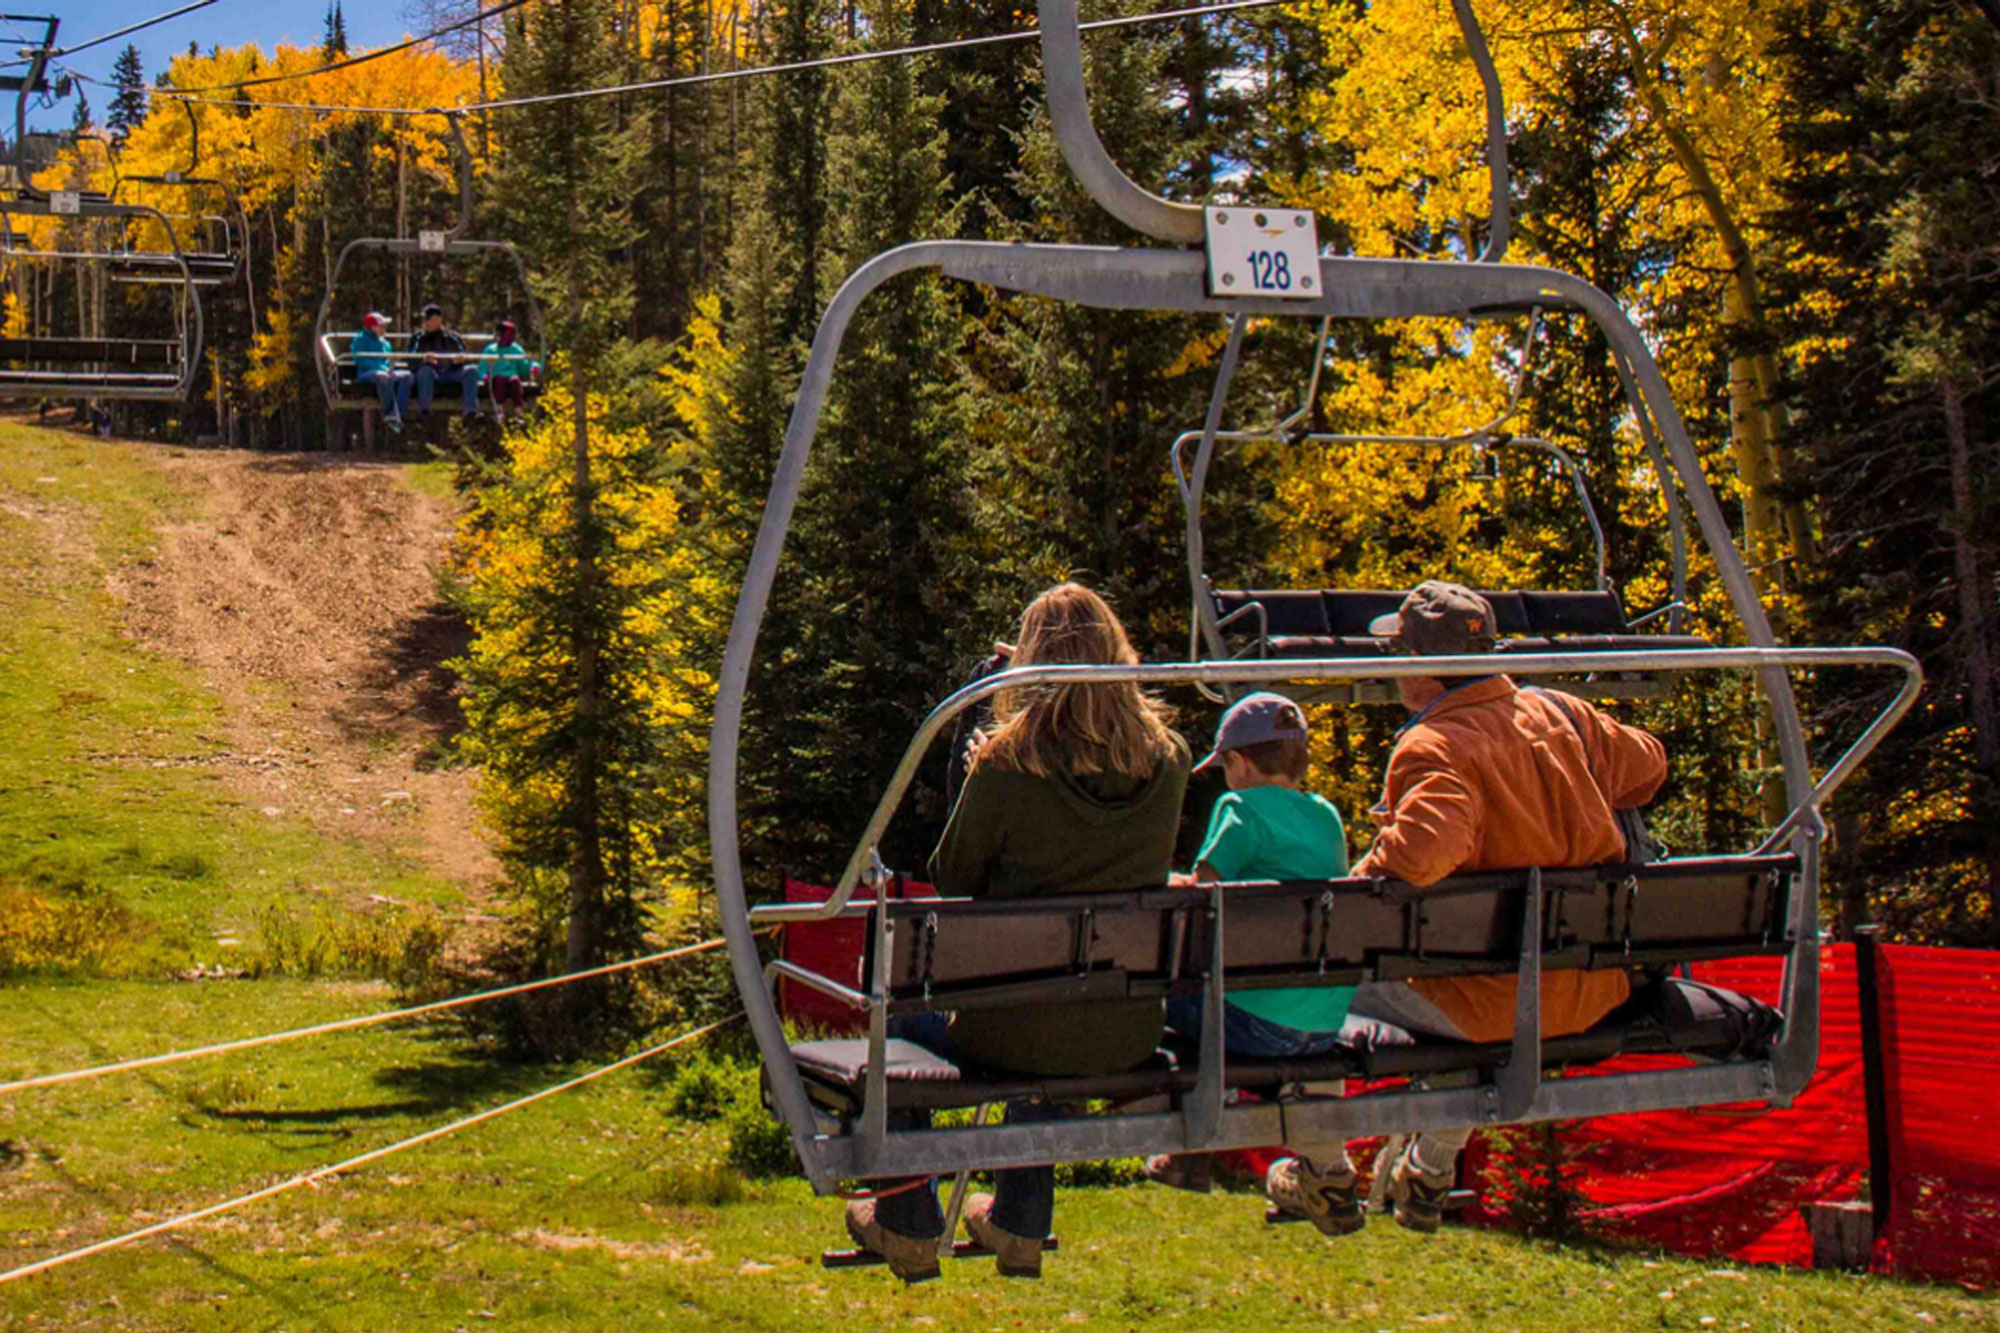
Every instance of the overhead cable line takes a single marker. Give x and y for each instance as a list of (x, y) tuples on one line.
[(131, 28), (313, 1178), (722, 76), (186, 94), (347, 1024)]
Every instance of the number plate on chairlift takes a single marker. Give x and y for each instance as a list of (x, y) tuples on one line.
[(66, 203), (1262, 252), (431, 242)]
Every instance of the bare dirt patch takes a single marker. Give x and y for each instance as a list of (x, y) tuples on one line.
[(307, 592)]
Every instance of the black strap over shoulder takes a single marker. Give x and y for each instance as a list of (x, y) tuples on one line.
[(1641, 847)]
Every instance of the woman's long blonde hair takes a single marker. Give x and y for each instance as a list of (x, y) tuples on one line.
[(1078, 729)]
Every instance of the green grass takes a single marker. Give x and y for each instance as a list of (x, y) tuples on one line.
[(594, 1210), (107, 779)]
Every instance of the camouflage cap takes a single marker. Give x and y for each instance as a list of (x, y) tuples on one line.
[(1438, 620)]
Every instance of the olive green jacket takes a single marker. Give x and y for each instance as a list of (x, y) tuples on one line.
[(1013, 835)]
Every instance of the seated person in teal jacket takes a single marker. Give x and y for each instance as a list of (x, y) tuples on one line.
[(373, 365), (508, 369), (1266, 827)]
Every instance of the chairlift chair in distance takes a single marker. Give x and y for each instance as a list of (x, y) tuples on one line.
[(344, 393), (109, 369), (931, 954), (217, 263)]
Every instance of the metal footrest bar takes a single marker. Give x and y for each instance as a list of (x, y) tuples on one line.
[(963, 1249)]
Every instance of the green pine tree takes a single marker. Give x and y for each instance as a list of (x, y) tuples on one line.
[(1890, 198), (128, 104), (80, 122), (871, 607), (333, 44), (567, 181)]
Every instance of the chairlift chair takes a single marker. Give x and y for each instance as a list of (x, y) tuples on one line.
[(335, 360), (1150, 941), (113, 369), (217, 263), (1306, 623)]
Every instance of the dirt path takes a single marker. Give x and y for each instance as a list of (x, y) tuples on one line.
[(307, 594)]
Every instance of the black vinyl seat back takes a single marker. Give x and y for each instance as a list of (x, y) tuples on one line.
[(138, 354), (956, 953), (1280, 613), (960, 953)]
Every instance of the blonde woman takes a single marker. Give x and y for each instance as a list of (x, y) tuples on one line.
[(1074, 789)]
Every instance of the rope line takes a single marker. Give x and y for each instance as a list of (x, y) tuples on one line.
[(721, 76), (347, 1024), (353, 1163)]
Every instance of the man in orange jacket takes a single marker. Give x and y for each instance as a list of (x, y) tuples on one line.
[(1488, 776)]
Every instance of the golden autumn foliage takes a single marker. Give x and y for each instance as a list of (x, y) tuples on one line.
[(516, 554)]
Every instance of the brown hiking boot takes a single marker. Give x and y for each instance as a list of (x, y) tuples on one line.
[(1190, 1171), (908, 1258), (1419, 1195), (1018, 1256), (1329, 1200)]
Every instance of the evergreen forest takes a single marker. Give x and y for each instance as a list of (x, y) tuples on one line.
[(1794, 200)]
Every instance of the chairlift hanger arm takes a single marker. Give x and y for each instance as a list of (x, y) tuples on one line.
[(1183, 224)]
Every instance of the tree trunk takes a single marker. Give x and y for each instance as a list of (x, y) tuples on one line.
[(586, 865), (1975, 609)]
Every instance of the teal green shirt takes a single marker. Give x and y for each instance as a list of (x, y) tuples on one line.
[(1278, 833)]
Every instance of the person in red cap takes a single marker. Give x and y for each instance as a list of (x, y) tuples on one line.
[(1489, 776), (374, 364)]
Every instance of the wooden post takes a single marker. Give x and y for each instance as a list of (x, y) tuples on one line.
[(368, 415), (1843, 1235)]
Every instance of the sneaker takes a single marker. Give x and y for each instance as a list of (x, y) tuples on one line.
[(908, 1258), (1190, 1171), (1018, 1256), (395, 425), (1418, 1195), (1330, 1201)]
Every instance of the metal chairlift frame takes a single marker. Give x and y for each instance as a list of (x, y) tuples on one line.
[(452, 246), (1206, 628), (190, 180), (1173, 280), (105, 385)]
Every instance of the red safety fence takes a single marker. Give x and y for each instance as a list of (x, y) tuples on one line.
[(833, 949), (1732, 1181)]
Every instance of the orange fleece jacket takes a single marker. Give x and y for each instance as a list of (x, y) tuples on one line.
[(1493, 777)]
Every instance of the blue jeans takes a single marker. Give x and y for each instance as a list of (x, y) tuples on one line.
[(394, 387), (1244, 1033), (467, 377), (1024, 1198)]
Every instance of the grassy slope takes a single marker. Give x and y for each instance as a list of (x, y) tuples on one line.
[(558, 1217), (107, 777), (571, 1214)]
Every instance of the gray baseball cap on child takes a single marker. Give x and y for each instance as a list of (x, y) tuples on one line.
[(1254, 719)]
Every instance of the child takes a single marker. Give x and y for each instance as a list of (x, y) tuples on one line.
[(1267, 828), (507, 369)]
